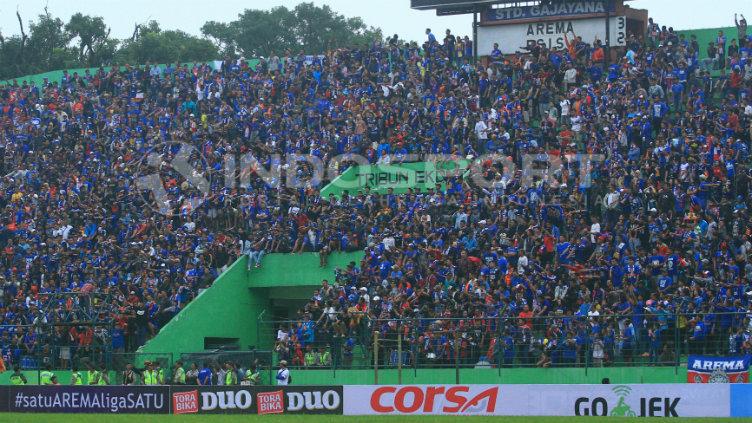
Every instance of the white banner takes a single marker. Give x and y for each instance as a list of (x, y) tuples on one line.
[(652, 400), (515, 37)]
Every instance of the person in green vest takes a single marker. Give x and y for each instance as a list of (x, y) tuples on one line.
[(76, 377), (18, 378), (104, 376), (325, 358), (310, 358), (231, 377), (45, 377), (178, 377), (92, 375), (160, 373), (150, 375), (252, 375)]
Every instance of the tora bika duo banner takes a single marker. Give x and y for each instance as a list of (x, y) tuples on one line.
[(705, 369)]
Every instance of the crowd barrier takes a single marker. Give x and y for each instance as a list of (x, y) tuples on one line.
[(646, 400)]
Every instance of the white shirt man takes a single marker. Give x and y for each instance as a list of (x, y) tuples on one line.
[(564, 103), (612, 200), (63, 231), (481, 130), (283, 374), (570, 76)]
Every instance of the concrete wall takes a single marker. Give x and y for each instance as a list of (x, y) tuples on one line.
[(226, 310), (493, 376), (230, 308)]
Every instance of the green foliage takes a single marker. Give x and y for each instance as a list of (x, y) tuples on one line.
[(49, 43), (152, 44), (307, 28)]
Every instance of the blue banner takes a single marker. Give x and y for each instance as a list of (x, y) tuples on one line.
[(567, 9), (710, 369)]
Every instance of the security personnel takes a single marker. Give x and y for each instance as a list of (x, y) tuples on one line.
[(104, 376), (178, 378), (160, 374), (252, 375), (231, 377), (92, 375), (18, 378), (45, 377), (150, 375), (76, 377)]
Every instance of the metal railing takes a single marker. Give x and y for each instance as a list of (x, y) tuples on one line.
[(654, 337)]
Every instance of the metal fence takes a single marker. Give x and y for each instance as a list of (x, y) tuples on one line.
[(654, 337), (59, 345)]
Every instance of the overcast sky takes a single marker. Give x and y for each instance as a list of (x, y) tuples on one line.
[(393, 16)]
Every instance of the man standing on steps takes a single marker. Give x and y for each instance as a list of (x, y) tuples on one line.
[(283, 374)]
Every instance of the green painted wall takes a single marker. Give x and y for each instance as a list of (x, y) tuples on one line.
[(288, 270), (57, 75), (492, 376), (477, 376), (706, 35), (230, 308), (447, 376), (63, 376), (226, 310)]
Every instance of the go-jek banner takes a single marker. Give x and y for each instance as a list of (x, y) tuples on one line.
[(652, 400), (705, 369)]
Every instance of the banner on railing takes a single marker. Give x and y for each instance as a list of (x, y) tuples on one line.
[(705, 369), (257, 399), (653, 400), (90, 399)]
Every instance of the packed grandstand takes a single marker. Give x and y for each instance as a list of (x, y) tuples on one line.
[(590, 262)]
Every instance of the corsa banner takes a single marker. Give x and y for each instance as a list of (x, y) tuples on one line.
[(423, 399), (705, 369)]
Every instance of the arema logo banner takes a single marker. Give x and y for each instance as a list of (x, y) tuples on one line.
[(704, 369), (654, 400)]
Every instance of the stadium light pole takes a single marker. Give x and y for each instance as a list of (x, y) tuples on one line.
[(608, 31)]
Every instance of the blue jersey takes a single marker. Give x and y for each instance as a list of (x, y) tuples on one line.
[(205, 376)]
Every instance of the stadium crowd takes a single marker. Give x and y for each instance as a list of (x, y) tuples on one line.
[(657, 229)]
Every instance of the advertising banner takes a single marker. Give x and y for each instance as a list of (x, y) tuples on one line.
[(570, 9), (515, 38), (704, 369), (654, 400), (380, 178), (4, 398), (423, 399), (90, 399), (741, 400), (257, 399)]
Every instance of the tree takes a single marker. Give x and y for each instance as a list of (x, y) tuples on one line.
[(307, 27), (151, 44), (95, 46), (48, 45)]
